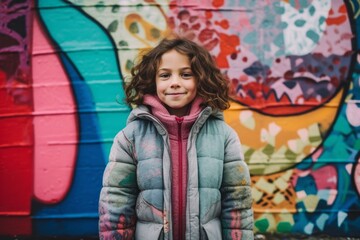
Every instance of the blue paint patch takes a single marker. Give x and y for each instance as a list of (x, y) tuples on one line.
[(313, 36), (300, 23), (83, 196)]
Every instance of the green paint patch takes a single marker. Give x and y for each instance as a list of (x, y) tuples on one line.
[(313, 36), (248, 153), (342, 125), (357, 144), (268, 150), (128, 180), (251, 37), (322, 20), (290, 155), (100, 6), (115, 8), (113, 26), (312, 10), (134, 28), (284, 227), (123, 43), (331, 141), (155, 33), (279, 39), (300, 23), (267, 23), (129, 64), (282, 25), (262, 225), (313, 139), (278, 8)]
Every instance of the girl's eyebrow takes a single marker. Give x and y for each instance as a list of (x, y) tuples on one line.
[(168, 69)]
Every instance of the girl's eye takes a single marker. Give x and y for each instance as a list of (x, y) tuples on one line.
[(187, 75), (164, 75)]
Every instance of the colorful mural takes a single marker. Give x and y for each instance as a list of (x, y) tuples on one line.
[(294, 73)]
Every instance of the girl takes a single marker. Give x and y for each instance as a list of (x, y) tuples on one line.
[(176, 171)]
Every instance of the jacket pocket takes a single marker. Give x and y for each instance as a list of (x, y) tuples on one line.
[(148, 231), (212, 230)]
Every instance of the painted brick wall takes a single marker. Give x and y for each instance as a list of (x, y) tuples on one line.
[(293, 68)]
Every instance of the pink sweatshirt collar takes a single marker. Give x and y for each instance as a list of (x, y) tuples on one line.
[(170, 121)]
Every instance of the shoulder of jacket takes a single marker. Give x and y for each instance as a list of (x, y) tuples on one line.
[(141, 126), (213, 120), (134, 125), (222, 126)]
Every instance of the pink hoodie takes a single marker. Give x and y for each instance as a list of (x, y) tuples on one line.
[(178, 129)]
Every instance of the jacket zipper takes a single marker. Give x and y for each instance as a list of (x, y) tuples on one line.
[(191, 135), (180, 180)]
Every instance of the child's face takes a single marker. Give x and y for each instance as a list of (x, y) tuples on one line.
[(175, 82)]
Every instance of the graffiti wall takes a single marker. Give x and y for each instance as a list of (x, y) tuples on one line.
[(294, 74)]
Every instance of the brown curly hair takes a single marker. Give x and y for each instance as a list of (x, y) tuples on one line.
[(212, 86)]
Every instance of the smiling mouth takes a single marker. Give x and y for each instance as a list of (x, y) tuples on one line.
[(174, 94)]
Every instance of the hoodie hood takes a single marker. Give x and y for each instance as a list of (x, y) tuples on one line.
[(171, 121), (144, 111)]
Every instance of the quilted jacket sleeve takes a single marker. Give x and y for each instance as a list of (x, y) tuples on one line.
[(237, 214), (117, 217)]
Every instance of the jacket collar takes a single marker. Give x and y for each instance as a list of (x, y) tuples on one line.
[(143, 112)]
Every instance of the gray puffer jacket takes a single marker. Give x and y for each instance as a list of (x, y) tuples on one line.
[(135, 201)]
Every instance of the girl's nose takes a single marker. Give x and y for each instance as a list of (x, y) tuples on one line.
[(175, 81)]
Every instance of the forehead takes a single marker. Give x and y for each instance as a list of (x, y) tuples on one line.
[(174, 59)]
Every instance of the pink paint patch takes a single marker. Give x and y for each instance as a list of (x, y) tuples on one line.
[(353, 112), (325, 178), (332, 196), (236, 234), (349, 167), (357, 176), (55, 129), (301, 194), (317, 154), (235, 219)]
